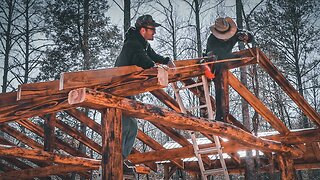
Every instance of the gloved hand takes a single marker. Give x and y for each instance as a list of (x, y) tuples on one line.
[(171, 64)]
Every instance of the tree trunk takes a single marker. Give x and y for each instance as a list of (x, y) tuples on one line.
[(250, 172), (8, 45), (197, 14), (127, 15)]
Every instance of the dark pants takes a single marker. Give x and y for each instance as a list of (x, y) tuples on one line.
[(129, 133), (221, 103)]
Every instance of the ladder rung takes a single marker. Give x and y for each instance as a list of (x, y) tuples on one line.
[(213, 171), (190, 86), (197, 107), (208, 150)]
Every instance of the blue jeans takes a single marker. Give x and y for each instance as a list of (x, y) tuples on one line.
[(129, 133)]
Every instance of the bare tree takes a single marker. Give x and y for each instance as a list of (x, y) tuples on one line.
[(8, 36)]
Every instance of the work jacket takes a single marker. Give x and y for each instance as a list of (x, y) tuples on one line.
[(223, 49), (137, 51)]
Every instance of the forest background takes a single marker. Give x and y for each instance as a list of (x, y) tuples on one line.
[(40, 39)]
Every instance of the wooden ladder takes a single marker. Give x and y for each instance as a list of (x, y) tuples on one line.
[(200, 152)]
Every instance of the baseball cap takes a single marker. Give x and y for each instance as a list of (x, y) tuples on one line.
[(146, 20)]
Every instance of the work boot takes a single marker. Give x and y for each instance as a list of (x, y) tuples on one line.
[(128, 172)]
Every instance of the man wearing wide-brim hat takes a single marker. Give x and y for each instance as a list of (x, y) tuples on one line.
[(224, 35)]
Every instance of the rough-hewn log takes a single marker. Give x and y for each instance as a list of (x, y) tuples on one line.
[(44, 171), (266, 64), (180, 121), (49, 125), (257, 105), (34, 107), (287, 170), (112, 159), (163, 154), (297, 137), (40, 155)]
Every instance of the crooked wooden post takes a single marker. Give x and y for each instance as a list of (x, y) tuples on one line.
[(287, 170), (112, 159)]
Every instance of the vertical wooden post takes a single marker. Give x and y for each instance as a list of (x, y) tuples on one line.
[(49, 125), (225, 87), (166, 172), (286, 167), (112, 159), (222, 93)]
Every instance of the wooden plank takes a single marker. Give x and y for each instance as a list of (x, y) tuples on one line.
[(40, 155), (156, 146), (7, 99), (78, 79), (266, 64), (32, 90), (44, 172), (175, 120), (258, 106), (112, 159)]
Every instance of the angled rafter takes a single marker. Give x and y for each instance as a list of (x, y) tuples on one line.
[(288, 88), (257, 104)]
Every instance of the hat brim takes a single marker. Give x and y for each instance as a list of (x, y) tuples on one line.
[(155, 24), (225, 35)]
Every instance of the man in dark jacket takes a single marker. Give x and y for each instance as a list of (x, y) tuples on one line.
[(224, 35), (137, 51)]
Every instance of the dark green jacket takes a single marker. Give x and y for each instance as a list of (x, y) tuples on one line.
[(137, 51), (223, 49)]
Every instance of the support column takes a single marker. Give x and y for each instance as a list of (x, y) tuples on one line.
[(287, 170), (222, 93), (49, 137), (112, 159)]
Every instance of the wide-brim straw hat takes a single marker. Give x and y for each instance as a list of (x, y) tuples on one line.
[(224, 28)]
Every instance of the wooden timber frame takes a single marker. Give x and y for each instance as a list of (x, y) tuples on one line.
[(105, 90)]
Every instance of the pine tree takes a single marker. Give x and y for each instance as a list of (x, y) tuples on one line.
[(82, 35), (289, 29)]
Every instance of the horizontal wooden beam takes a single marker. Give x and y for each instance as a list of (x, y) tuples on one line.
[(44, 171), (87, 78), (40, 155), (32, 90), (163, 116)]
